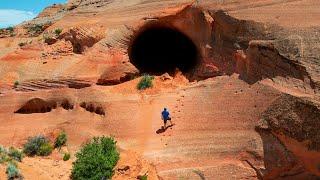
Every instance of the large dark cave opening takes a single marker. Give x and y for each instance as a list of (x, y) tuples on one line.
[(159, 49)]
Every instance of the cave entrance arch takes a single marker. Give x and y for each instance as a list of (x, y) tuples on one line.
[(156, 50)]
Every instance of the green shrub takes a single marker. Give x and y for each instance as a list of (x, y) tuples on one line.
[(96, 160), (2, 149), (16, 84), (15, 154), (4, 158), (11, 29), (66, 156), (46, 36), (4, 155), (61, 140), (22, 44), (58, 31), (7, 31), (13, 172), (10, 155), (45, 149), (145, 82), (33, 145), (144, 177), (35, 29)]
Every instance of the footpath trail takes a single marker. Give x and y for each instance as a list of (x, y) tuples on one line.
[(146, 119), (150, 124), (213, 136), (213, 132)]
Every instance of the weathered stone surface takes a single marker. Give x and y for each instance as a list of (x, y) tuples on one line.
[(116, 75), (289, 129), (37, 105), (298, 118), (249, 53)]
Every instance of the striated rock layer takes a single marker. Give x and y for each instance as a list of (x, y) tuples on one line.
[(242, 84)]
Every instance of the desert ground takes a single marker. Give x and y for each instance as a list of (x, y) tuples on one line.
[(245, 105)]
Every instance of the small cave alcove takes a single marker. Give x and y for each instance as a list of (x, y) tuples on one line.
[(158, 50)]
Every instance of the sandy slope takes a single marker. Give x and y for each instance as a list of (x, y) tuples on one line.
[(213, 132)]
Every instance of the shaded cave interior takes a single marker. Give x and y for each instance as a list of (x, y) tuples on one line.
[(157, 50)]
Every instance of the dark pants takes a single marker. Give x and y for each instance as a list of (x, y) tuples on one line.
[(167, 119)]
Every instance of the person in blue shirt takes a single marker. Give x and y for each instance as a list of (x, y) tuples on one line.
[(165, 115)]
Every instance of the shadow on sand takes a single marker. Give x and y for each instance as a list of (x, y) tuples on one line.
[(162, 130)]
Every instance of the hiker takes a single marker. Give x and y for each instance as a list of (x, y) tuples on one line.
[(165, 115)]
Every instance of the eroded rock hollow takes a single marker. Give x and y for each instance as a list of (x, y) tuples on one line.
[(158, 50), (245, 101)]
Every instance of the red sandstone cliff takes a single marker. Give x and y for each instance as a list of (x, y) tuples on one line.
[(247, 106)]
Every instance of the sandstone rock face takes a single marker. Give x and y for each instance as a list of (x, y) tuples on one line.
[(51, 84), (263, 51), (37, 105), (81, 38), (51, 10), (93, 107), (117, 75), (294, 123), (296, 118), (246, 106)]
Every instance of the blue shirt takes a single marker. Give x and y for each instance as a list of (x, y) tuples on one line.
[(165, 114)]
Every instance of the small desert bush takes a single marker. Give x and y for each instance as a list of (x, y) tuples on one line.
[(66, 156), (144, 177), (36, 29), (145, 82), (11, 29), (37, 145), (45, 149), (61, 140), (7, 31), (47, 36), (4, 158), (13, 172), (10, 155), (96, 159), (15, 154), (58, 31), (16, 84), (2, 149), (21, 44), (4, 155)]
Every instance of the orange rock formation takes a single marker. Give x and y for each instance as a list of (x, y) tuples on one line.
[(242, 85)]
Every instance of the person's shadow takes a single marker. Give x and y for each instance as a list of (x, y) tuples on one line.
[(162, 130)]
